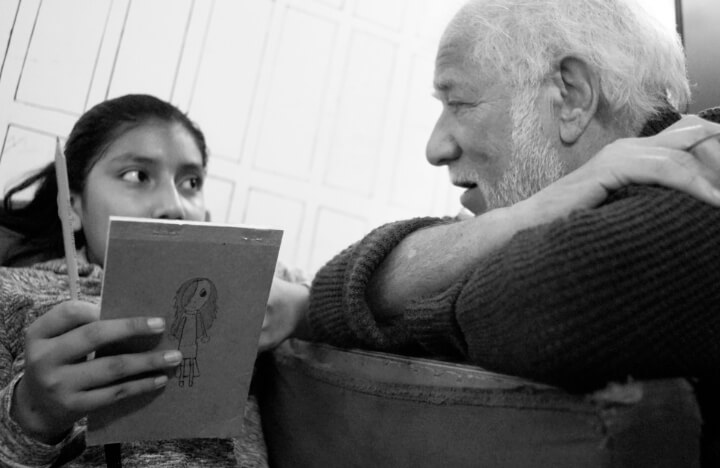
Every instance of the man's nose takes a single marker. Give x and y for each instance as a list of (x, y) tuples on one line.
[(441, 147), (169, 203)]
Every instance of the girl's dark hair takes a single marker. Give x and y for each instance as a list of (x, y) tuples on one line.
[(37, 221)]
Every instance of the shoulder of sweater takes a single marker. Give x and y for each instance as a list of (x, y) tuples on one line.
[(18, 284), (641, 213), (632, 212), (47, 279), (656, 197), (663, 118)]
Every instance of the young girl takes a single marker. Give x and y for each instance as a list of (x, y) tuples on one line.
[(130, 156)]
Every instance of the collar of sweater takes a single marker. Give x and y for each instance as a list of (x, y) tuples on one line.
[(85, 268), (668, 116)]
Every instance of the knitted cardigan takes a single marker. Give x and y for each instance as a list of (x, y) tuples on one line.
[(27, 293), (628, 289)]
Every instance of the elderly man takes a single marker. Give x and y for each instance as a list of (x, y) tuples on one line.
[(568, 274)]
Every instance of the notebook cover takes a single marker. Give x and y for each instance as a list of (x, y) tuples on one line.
[(211, 284)]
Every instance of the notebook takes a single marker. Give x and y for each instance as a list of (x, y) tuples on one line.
[(211, 284)]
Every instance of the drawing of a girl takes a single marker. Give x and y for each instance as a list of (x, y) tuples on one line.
[(195, 311)]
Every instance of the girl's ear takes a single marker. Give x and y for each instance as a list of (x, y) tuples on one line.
[(75, 212)]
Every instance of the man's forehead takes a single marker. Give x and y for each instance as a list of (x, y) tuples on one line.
[(454, 66)]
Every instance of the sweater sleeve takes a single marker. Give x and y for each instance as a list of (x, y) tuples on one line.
[(18, 449), (338, 311), (629, 289)]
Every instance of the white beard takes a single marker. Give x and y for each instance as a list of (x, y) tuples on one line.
[(535, 163)]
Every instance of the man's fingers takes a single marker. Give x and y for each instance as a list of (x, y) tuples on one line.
[(63, 318)]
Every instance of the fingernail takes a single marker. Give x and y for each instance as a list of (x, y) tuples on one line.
[(156, 324), (172, 357), (161, 381)]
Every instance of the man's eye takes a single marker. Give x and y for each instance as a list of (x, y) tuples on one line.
[(134, 176)]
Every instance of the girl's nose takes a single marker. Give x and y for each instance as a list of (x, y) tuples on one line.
[(169, 203)]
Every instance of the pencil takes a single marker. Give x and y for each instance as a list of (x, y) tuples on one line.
[(64, 212)]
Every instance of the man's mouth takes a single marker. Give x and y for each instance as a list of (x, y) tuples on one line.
[(466, 185), (473, 198)]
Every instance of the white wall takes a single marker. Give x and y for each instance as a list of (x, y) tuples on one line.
[(316, 111)]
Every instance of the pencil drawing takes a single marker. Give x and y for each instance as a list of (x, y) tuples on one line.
[(195, 309)]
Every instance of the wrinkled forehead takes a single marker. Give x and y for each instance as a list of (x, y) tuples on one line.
[(462, 44), (455, 66)]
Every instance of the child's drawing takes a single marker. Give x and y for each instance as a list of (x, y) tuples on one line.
[(195, 311)]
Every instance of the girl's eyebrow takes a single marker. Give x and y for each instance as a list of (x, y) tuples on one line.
[(135, 158), (144, 160)]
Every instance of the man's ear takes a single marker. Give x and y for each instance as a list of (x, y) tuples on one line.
[(579, 95), (75, 212)]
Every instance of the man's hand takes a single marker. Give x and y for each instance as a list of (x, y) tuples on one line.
[(285, 315)]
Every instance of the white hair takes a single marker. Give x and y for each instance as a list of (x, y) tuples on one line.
[(640, 63)]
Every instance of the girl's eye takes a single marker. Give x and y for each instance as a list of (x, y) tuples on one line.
[(192, 183), (134, 176)]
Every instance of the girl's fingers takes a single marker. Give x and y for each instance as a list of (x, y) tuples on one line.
[(675, 169), (84, 402), (707, 151), (63, 318), (108, 370), (683, 134), (81, 341)]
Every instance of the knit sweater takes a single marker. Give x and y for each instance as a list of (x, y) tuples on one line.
[(627, 289), (27, 293)]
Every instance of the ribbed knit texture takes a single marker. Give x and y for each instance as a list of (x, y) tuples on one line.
[(339, 312), (27, 293), (628, 289)]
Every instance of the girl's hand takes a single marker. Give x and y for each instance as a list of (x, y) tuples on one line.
[(60, 386), (684, 157), (285, 315)]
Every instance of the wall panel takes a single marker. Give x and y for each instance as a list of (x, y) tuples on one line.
[(226, 85), (414, 181), (358, 130), (387, 13), (8, 12), (277, 211), (332, 230), (60, 61), (297, 87), (25, 150), (152, 43)]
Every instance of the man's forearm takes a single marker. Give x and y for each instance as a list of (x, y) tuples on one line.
[(431, 259)]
